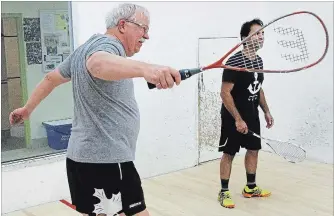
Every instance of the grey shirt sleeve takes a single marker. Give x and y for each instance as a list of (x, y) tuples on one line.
[(65, 67), (104, 46)]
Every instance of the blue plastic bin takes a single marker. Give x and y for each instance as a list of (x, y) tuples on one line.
[(58, 133)]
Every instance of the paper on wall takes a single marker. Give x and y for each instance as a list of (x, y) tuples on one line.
[(55, 38)]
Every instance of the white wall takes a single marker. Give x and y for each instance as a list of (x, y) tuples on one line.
[(168, 137), (34, 74), (303, 102), (34, 182), (168, 118), (174, 36)]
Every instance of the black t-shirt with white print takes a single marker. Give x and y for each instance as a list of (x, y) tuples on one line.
[(247, 85)]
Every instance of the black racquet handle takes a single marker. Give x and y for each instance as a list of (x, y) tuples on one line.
[(185, 74)]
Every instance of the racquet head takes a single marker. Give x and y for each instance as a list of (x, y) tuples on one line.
[(290, 43), (287, 150)]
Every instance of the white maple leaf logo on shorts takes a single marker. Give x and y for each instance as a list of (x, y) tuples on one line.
[(107, 206)]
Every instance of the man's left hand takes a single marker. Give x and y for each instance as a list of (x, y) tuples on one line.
[(269, 119)]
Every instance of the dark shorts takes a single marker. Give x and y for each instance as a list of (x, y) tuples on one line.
[(231, 140), (105, 188)]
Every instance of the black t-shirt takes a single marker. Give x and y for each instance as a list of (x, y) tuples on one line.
[(247, 85)]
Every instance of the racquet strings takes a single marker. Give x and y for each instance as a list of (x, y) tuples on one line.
[(287, 150), (248, 57), (292, 42)]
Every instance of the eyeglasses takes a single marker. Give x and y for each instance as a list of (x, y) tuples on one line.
[(144, 27)]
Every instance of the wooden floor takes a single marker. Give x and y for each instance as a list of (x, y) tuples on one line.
[(297, 189)]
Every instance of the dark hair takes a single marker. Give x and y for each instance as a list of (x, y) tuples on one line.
[(246, 27)]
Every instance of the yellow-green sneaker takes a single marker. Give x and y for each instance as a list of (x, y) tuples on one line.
[(225, 200), (255, 192)]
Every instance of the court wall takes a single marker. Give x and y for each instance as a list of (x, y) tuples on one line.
[(301, 103)]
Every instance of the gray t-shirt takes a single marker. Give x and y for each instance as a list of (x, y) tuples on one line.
[(106, 117)]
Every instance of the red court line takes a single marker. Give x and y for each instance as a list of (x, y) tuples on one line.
[(68, 204)]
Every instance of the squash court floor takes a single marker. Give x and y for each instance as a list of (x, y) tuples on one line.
[(302, 189)]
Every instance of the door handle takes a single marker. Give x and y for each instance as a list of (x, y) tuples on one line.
[(202, 82)]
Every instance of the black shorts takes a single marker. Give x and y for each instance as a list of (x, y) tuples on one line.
[(231, 140), (105, 188)]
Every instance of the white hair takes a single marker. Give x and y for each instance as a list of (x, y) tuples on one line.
[(124, 11)]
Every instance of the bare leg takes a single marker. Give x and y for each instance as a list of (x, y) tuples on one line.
[(224, 196), (251, 159), (225, 169), (143, 213), (226, 166), (98, 215)]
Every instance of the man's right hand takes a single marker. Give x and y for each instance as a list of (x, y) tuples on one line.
[(162, 77), (18, 116), (241, 126)]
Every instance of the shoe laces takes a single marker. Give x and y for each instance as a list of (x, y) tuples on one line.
[(226, 195), (257, 190)]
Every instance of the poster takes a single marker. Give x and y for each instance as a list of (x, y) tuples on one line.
[(55, 37), (32, 39)]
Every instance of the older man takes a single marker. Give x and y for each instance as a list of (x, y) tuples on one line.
[(102, 177)]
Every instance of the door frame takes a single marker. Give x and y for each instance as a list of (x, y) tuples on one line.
[(23, 72), (199, 89)]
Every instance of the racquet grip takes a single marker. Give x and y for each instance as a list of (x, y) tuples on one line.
[(183, 77), (185, 74), (151, 86)]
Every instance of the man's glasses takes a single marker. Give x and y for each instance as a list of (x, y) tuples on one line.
[(144, 27)]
